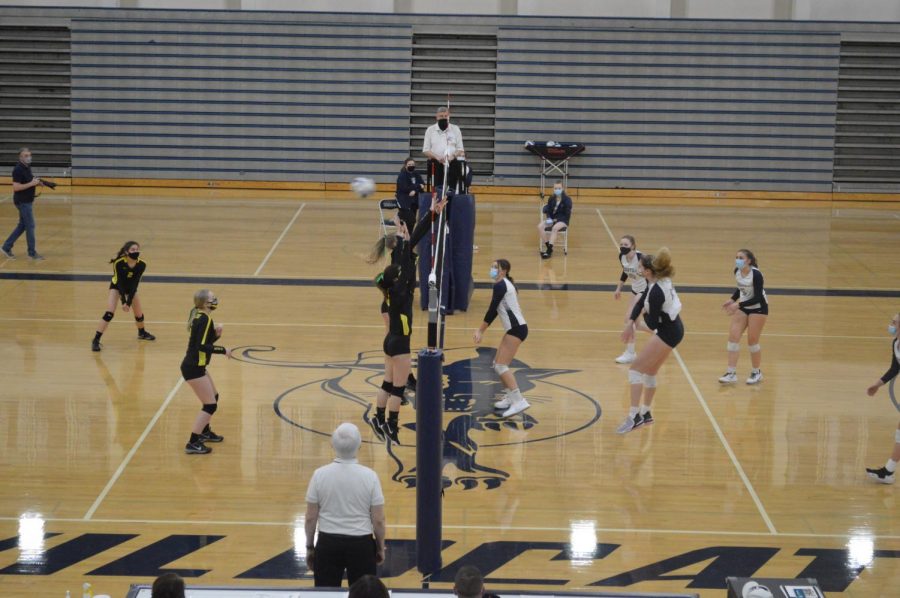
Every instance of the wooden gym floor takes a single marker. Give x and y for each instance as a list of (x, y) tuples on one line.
[(729, 480)]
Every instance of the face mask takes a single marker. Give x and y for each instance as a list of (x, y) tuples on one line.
[(892, 330), (739, 263), (494, 273), (557, 192), (624, 250), (443, 123), (411, 168), (213, 304), (134, 255)]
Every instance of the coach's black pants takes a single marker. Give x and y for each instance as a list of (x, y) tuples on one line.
[(335, 553), (454, 176)]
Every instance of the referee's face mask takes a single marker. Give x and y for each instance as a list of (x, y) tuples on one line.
[(443, 119)]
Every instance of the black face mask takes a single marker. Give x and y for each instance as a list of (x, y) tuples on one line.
[(443, 123), (134, 255), (411, 168), (624, 250)]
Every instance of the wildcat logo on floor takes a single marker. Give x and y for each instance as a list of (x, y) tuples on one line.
[(472, 427)]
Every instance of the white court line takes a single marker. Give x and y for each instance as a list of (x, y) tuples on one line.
[(548, 330), (131, 453), (295, 523), (283, 233), (731, 455), (712, 419)]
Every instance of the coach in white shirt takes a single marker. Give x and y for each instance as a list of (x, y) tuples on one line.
[(444, 142), (344, 498)]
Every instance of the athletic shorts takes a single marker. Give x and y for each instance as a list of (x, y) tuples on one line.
[(396, 344), (671, 333), (384, 307), (191, 372), (520, 331), (763, 310)]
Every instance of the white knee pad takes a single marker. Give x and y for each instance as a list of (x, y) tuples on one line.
[(649, 381), (500, 369), (635, 377), (897, 436), (755, 348), (733, 347)]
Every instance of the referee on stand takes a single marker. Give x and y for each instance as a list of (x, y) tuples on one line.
[(345, 500), (24, 184)]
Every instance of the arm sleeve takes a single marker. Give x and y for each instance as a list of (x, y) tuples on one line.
[(203, 326), (566, 209), (422, 227), (120, 273), (546, 209), (737, 292), (624, 276), (654, 307), (757, 291), (639, 306), (496, 298), (894, 369)]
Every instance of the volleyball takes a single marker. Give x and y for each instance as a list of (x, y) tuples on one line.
[(362, 186)]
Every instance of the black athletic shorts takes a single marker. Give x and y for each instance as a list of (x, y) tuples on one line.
[(764, 310), (671, 333), (384, 307), (396, 344), (191, 371), (520, 331)]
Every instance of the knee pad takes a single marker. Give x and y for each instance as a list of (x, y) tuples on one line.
[(733, 347), (755, 348), (137, 319), (501, 368), (635, 377), (210, 408), (649, 381), (397, 391), (897, 436), (387, 386), (108, 316)]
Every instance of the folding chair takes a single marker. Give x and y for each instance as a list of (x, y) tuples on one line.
[(386, 219), (564, 232)]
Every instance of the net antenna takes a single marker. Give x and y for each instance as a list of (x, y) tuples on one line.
[(439, 230)]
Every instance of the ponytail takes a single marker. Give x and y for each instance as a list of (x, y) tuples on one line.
[(200, 299), (381, 247), (506, 267), (662, 263)]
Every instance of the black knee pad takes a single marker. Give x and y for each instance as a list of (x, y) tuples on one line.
[(137, 319), (397, 391), (387, 386), (210, 408), (108, 316)]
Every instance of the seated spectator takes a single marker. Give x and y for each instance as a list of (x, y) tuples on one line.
[(556, 218), (168, 585), (368, 586), (469, 583), (409, 185)]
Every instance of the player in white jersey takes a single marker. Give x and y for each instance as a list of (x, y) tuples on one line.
[(885, 475), (505, 303), (662, 307), (630, 259), (749, 310)]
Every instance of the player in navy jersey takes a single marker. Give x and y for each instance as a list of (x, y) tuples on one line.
[(630, 260), (505, 303), (749, 310), (885, 475), (661, 308)]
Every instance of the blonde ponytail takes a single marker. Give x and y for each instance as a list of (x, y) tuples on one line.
[(662, 263), (200, 299)]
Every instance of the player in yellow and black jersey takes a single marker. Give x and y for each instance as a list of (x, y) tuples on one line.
[(127, 272), (204, 333)]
